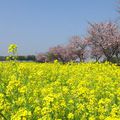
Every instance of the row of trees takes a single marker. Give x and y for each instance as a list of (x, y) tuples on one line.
[(19, 58), (101, 43)]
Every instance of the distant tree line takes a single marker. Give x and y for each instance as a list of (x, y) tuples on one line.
[(21, 58), (102, 43)]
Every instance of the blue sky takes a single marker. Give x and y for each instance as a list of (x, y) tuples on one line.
[(36, 25)]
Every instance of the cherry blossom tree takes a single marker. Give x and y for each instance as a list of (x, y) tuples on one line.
[(41, 57), (59, 52), (104, 39), (96, 53), (77, 48)]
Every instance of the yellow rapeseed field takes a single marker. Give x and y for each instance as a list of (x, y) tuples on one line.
[(55, 91)]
